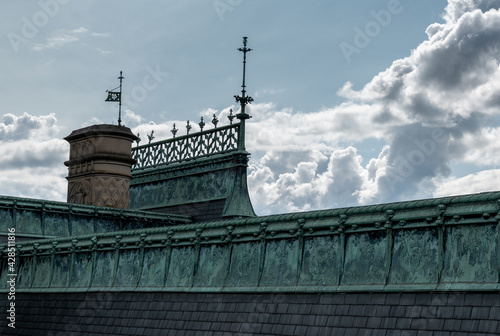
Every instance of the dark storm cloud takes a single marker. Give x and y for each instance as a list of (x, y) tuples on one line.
[(465, 56), (416, 153)]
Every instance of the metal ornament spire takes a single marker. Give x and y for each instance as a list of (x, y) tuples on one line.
[(243, 99), (114, 96)]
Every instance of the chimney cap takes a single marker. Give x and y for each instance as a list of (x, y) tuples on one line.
[(102, 129)]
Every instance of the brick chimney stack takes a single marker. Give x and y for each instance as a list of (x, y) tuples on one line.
[(99, 165)]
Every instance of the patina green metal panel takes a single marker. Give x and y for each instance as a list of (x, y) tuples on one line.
[(244, 267), (127, 273), (365, 258), (289, 252), (321, 264), (25, 271), (5, 219), (82, 270), (81, 225), (153, 267), (145, 195), (183, 189), (42, 271), (104, 269), (131, 225), (281, 263), (212, 266), (415, 257), (28, 221), (471, 254), (61, 271), (56, 224), (105, 224), (181, 268)]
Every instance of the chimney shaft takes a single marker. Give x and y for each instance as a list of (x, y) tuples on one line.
[(99, 165)]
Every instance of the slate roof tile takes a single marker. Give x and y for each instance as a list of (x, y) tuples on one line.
[(266, 328), (282, 308), (352, 299), (473, 299), (419, 323), (296, 319), (480, 313), (313, 331), (377, 298), (470, 325), (308, 320), (361, 321), (305, 309), (377, 332), (398, 311), (293, 309), (285, 319), (373, 322), (491, 326), (301, 330), (356, 319), (273, 319), (333, 320), (356, 310), (392, 298), (423, 299), (490, 301), (414, 311), (383, 310), (462, 312), (452, 325), (341, 310), (494, 313), (346, 321), (288, 329), (435, 324), (277, 329), (403, 323), (320, 320)]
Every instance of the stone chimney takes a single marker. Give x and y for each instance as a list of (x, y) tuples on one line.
[(99, 165)]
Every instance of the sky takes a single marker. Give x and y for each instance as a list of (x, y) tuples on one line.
[(355, 102)]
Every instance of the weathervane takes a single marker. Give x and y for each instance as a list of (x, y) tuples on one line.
[(116, 96), (244, 99)]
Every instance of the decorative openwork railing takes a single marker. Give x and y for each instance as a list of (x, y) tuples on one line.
[(219, 140)]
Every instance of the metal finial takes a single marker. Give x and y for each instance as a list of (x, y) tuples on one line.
[(231, 116), (120, 103), (138, 139), (188, 127), (174, 131), (151, 136), (201, 124), (244, 99), (116, 96), (215, 120)]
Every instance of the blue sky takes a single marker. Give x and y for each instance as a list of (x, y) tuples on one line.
[(355, 102)]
